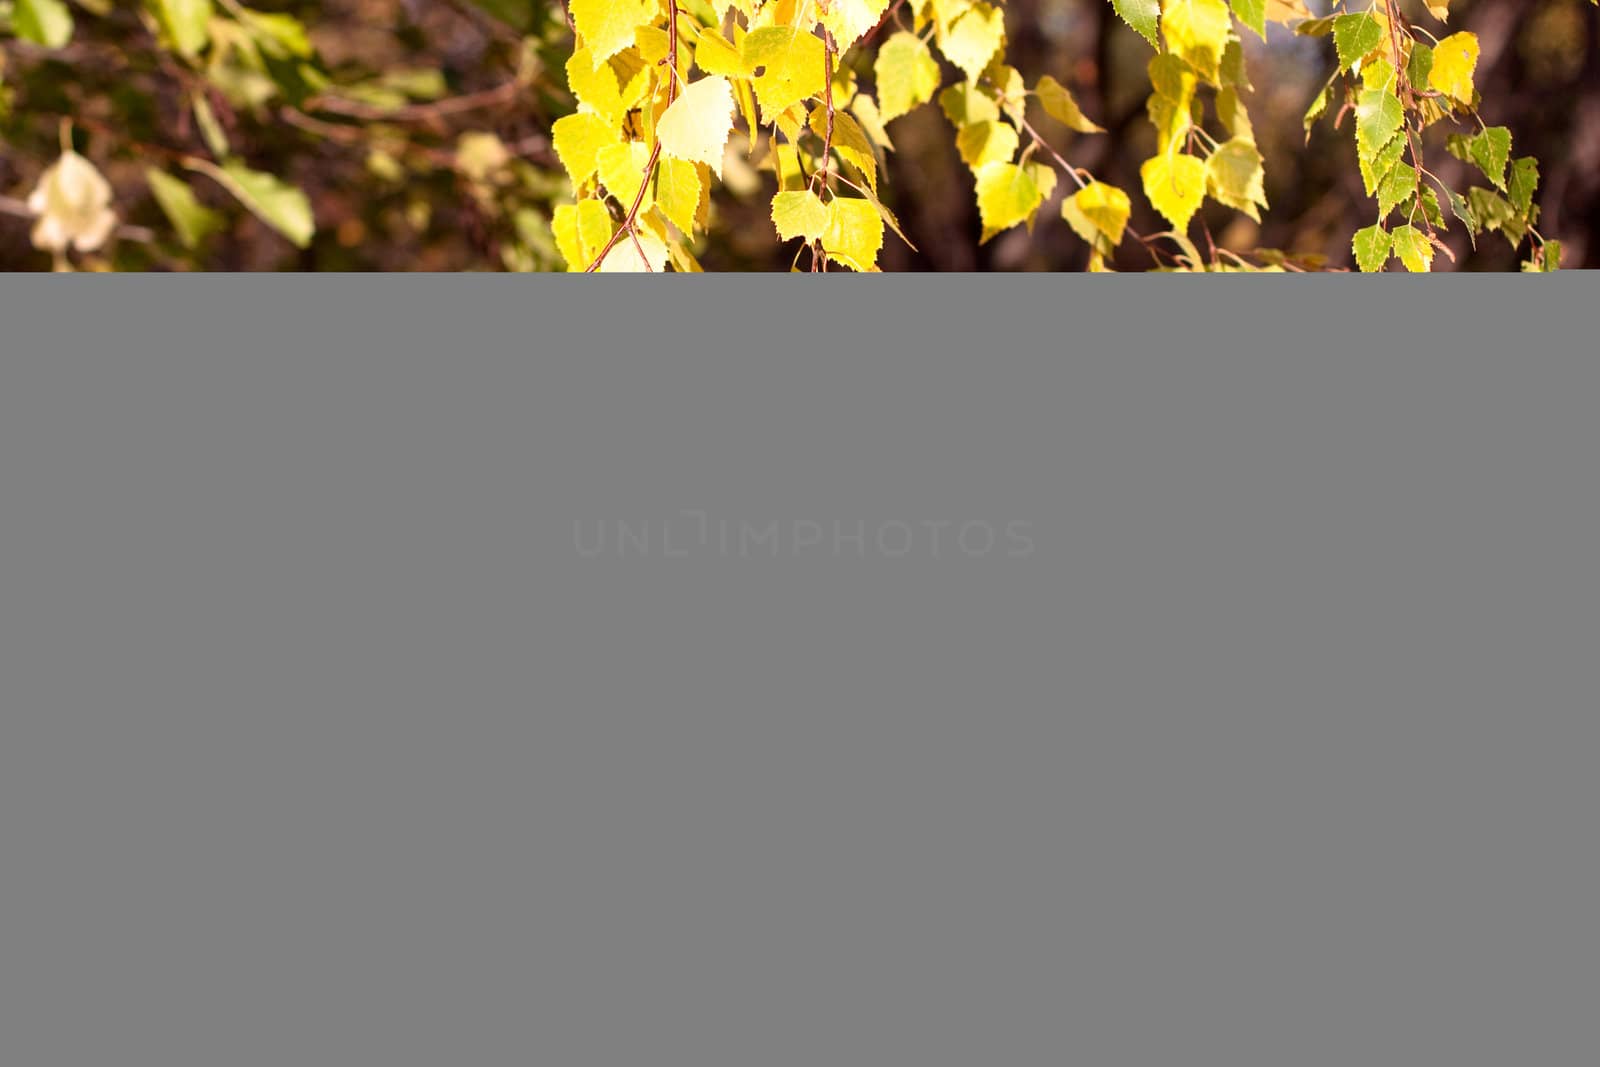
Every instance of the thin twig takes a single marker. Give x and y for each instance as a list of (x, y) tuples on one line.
[(630, 224), (887, 15), (1404, 84), (819, 255), (1076, 174), (1072, 172)]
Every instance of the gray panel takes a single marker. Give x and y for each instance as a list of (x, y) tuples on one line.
[(1260, 731)]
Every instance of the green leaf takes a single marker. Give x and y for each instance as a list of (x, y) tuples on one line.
[(1234, 177), (282, 36), (192, 220), (1492, 210), (1318, 108), (276, 203), (1395, 187), (1231, 69), (1321, 27), (1354, 36), (44, 22), (1376, 167), (1372, 247), (1427, 201), (187, 22), (1524, 183), (1378, 118), (1143, 15), (1490, 150), (1463, 211), (211, 131), (1253, 13), (1420, 65)]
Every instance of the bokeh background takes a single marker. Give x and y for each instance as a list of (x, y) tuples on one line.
[(423, 140)]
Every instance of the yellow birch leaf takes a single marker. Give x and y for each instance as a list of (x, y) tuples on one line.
[(907, 73), (1059, 104), (1175, 184), (1007, 195), (788, 65), (596, 86), (849, 20), (865, 109), (849, 140), (581, 230), (621, 168), (625, 257), (1106, 207), (1414, 249), (1197, 30), (799, 214), (974, 38), (990, 141), (1234, 176), (1455, 60), (854, 233), (678, 192), (578, 140), (697, 125), (715, 55), (607, 26)]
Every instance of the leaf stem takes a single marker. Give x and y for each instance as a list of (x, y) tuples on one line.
[(819, 177), (1403, 83)]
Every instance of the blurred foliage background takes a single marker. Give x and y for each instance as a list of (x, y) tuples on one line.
[(417, 131)]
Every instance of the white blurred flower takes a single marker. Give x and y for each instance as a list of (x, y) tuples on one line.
[(73, 204)]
